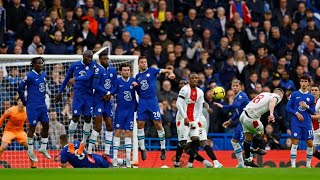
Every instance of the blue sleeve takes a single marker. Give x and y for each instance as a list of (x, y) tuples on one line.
[(66, 80), (235, 116), (63, 156), (137, 88), (22, 88), (156, 71), (86, 77), (235, 104), (96, 82), (290, 105), (114, 82), (311, 109)]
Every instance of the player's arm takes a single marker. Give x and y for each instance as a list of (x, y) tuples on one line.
[(272, 105), (22, 88), (235, 104), (96, 82), (316, 116), (207, 107), (63, 158), (4, 117), (290, 105), (69, 75), (311, 108), (63, 165), (169, 71), (114, 82), (86, 77), (181, 105)]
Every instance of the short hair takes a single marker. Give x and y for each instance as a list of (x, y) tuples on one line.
[(193, 73), (278, 90), (315, 85), (64, 138), (35, 59), (142, 57), (236, 81), (103, 54), (124, 65), (306, 77)]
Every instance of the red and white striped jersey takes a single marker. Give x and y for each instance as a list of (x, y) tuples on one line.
[(193, 102), (315, 122)]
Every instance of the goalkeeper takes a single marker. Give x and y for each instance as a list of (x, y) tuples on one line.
[(81, 161)]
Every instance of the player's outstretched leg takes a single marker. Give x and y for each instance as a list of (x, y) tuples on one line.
[(211, 154), (238, 152), (162, 137), (181, 145), (309, 153), (141, 137), (44, 139), (256, 147)]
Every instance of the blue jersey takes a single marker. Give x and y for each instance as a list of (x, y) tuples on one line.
[(240, 102), (293, 107), (104, 81), (147, 83), (79, 69), (36, 88), (126, 94)]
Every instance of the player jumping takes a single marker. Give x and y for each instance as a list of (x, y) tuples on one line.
[(83, 96), (35, 105), (124, 116), (148, 104), (301, 106), (250, 119)]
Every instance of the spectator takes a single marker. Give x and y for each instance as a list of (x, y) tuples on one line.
[(221, 53), (158, 56), (240, 7), (26, 31), (57, 46), (192, 22), (67, 37), (93, 23), (167, 94), (163, 40), (16, 14), (240, 60), (135, 30), (145, 47), (229, 71), (46, 30), (285, 82), (37, 12), (271, 140), (280, 12), (70, 24), (58, 8), (126, 43), (252, 66), (55, 130), (206, 42), (32, 49), (102, 21), (2, 23), (85, 37), (3, 48)]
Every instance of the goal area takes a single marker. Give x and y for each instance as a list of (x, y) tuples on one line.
[(13, 68)]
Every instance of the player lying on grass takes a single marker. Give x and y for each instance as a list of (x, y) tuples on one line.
[(80, 160), (250, 119), (36, 106)]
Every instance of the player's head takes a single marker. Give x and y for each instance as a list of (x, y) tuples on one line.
[(18, 101), (87, 57), (63, 139), (193, 78), (236, 85), (182, 83), (278, 91), (104, 59), (37, 63), (315, 90), (305, 82), (143, 63), (125, 70)]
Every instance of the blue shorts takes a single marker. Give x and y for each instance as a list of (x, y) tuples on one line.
[(103, 108), (302, 133), (148, 109), (37, 114), (100, 162), (124, 119), (82, 105), (238, 133)]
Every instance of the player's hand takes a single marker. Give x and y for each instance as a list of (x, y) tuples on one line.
[(134, 84), (186, 121), (303, 104), (172, 76), (106, 97), (218, 104), (271, 118), (289, 132), (210, 111), (58, 97), (226, 124), (299, 116)]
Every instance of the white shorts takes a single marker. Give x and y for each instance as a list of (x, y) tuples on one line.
[(250, 125), (200, 131), (316, 137), (182, 130)]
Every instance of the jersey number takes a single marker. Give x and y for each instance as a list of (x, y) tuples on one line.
[(156, 114), (258, 98), (127, 96), (107, 84), (144, 84)]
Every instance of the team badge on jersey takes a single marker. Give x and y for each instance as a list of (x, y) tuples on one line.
[(87, 67), (82, 73), (42, 87), (308, 99), (148, 75), (111, 75)]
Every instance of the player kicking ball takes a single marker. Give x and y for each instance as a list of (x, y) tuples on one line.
[(250, 119), (148, 107), (81, 160), (301, 106), (36, 105), (104, 83), (124, 116), (83, 96)]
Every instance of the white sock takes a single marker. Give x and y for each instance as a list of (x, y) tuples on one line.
[(293, 153), (30, 144), (86, 132), (121, 162), (72, 130), (92, 141), (128, 146), (140, 134), (309, 156), (116, 144), (238, 152), (162, 137), (108, 136), (190, 165), (44, 143)]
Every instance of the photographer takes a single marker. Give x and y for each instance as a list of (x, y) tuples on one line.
[(271, 140)]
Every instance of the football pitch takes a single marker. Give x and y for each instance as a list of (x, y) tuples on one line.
[(161, 174)]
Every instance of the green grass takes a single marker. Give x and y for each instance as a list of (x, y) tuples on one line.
[(160, 174)]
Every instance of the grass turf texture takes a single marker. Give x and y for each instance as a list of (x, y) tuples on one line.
[(160, 174)]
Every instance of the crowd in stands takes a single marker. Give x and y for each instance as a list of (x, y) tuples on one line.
[(264, 43)]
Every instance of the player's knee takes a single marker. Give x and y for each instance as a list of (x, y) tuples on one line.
[(109, 127), (127, 133), (45, 127), (75, 118), (87, 119), (97, 128), (182, 143)]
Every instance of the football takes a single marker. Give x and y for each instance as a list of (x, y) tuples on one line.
[(218, 92)]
